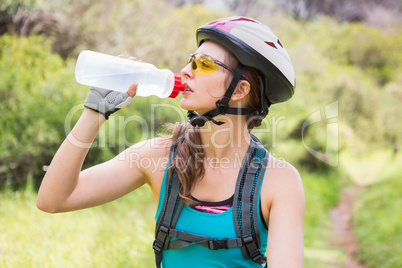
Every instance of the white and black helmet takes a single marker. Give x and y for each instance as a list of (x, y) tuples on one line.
[(255, 45)]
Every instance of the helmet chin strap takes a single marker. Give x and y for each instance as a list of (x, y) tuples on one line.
[(222, 105)]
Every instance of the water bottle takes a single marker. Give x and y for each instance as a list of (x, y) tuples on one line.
[(109, 72)]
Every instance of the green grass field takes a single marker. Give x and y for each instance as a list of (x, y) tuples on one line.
[(378, 219), (322, 193), (118, 234)]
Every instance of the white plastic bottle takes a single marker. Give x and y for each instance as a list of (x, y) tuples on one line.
[(114, 73)]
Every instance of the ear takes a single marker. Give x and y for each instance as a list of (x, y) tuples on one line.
[(241, 91)]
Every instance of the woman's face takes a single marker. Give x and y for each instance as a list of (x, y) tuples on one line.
[(204, 89)]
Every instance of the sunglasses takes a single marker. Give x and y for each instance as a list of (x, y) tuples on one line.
[(205, 65)]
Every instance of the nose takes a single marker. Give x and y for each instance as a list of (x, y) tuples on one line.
[(187, 72)]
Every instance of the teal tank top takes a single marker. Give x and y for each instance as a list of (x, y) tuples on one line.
[(218, 226)]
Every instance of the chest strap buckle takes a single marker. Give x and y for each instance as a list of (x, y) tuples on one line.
[(218, 244)]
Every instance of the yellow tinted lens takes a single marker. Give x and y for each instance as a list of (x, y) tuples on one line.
[(202, 64)]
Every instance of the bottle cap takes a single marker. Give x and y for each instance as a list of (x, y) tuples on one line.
[(178, 86)]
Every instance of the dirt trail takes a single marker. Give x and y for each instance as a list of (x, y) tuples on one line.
[(341, 217)]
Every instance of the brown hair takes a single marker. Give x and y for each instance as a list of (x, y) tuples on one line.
[(189, 161)]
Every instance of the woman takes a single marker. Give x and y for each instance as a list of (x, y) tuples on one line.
[(239, 69)]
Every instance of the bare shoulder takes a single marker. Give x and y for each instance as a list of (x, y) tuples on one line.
[(282, 169), (148, 156), (282, 179)]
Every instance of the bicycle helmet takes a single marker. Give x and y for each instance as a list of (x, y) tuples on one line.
[(255, 45)]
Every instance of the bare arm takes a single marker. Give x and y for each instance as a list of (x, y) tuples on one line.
[(287, 205), (66, 188)]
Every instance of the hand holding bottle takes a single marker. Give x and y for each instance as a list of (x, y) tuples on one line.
[(106, 101), (115, 73)]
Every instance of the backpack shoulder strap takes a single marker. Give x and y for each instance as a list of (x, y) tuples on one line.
[(246, 203), (170, 211)]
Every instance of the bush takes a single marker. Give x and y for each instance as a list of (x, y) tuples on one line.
[(32, 81)]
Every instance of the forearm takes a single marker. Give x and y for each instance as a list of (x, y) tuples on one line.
[(63, 173)]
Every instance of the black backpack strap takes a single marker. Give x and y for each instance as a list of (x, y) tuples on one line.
[(185, 239), (169, 213), (246, 204)]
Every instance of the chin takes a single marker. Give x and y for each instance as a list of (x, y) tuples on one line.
[(188, 105), (183, 104), (195, 105)]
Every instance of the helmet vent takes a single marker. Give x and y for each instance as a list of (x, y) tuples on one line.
[(271, 44)]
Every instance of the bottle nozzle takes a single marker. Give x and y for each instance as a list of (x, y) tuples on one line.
[(178, 86)]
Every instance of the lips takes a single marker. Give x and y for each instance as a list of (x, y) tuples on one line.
[(187, 90)]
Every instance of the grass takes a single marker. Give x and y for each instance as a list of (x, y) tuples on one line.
[(120, 234), (378, 219), (322, 193)]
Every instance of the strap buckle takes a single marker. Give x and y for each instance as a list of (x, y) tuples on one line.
[(253, 251), (222, 105), (157, 245), (160, 239), (256, 256), (218, 244), (197, 120), (247, 239), (164, 229)]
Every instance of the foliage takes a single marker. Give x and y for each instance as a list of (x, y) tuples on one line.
[(377, 220), (32, 81), (322, 193), (12, 6), (326, 72), (367, 48)]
